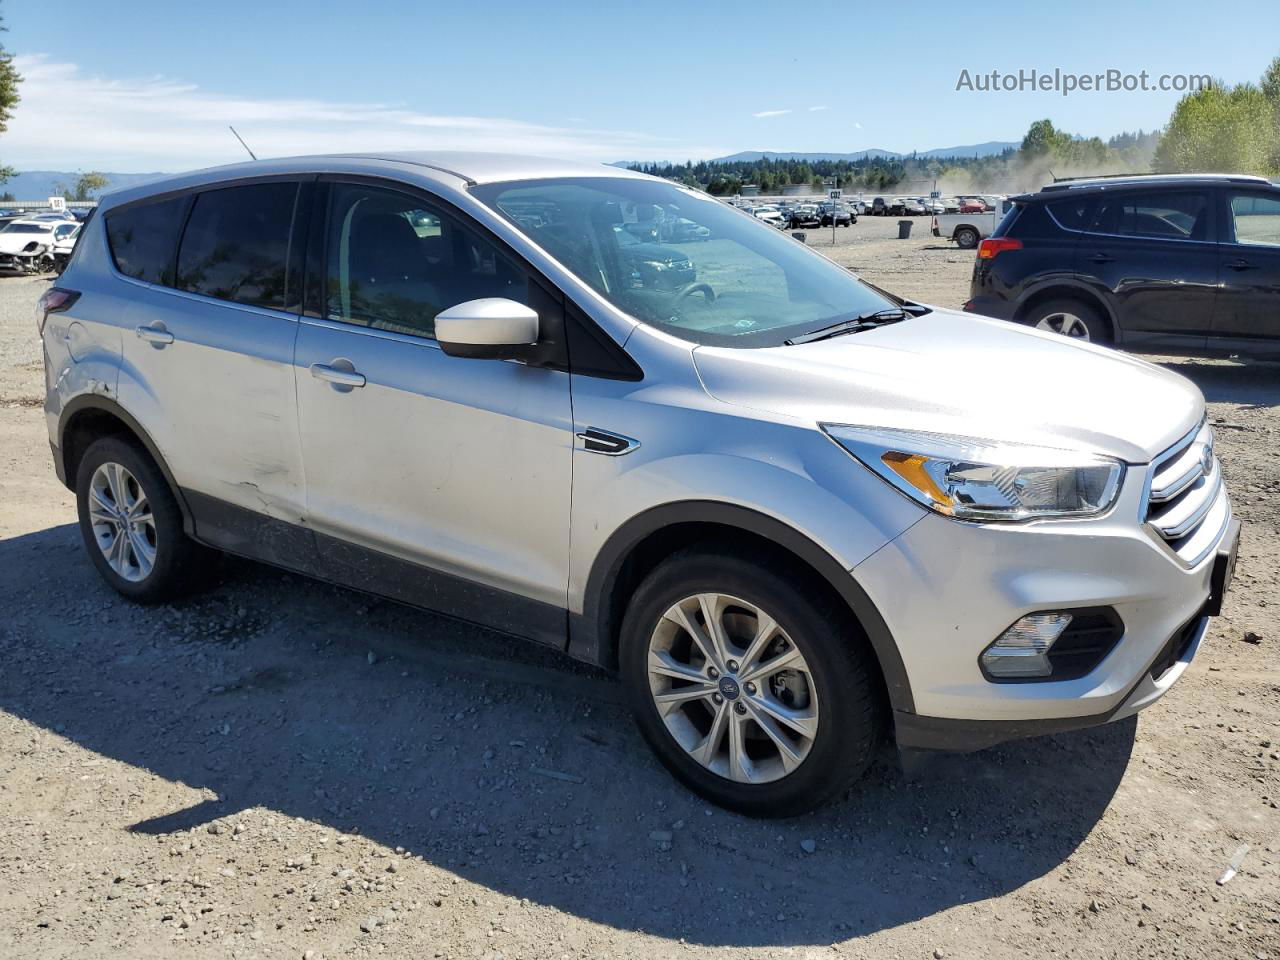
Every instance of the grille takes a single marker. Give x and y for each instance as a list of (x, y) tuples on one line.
[(1187, 504)]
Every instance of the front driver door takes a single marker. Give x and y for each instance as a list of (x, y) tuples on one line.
[(1249, 304), (439, 480), (1157, 254)]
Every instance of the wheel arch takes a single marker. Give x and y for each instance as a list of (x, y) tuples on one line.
[(87, 418), (1066, 290), (642, 542)]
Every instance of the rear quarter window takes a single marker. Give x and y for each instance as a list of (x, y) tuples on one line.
[(1073, 213), (142, 238), (236, 244)]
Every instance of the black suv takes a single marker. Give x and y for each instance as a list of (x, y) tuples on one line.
[(1184, 264)]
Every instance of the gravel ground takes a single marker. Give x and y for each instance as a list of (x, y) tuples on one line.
[(277, 768)]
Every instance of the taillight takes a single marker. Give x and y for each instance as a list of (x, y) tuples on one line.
[(53, 300), (992, 247)]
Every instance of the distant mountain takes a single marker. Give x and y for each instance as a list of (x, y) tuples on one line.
[(39, 184), (753, 156), (989, 149)]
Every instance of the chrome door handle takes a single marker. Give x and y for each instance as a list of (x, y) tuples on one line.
[(156, 334), (345, 378)]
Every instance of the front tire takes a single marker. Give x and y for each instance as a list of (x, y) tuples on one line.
[(132, 525), (966, 238), (755, 690)]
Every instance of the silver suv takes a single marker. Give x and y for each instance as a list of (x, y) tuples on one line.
[(793, 511)]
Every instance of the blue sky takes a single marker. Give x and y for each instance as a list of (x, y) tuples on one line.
[(144, 85)]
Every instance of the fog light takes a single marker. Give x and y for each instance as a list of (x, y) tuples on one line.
[(1023, 649)]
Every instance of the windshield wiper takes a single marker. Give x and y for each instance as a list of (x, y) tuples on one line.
[(867, 321)]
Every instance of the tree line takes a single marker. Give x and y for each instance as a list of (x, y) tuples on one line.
[(1221, 128)]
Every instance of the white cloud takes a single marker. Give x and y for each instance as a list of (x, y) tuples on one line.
[(857, 126), (70, 120), (816, 109), (770, 113)]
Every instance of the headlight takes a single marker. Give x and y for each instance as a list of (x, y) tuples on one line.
[(973, 479)]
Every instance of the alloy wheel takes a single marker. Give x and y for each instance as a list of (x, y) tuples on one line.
[(732, 688), (1067, 324), (123, 524)]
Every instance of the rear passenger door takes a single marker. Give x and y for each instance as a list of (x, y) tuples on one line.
[(1155, 253), (438, 480), (208, 351), (1249, 308)]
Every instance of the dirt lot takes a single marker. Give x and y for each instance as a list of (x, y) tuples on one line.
[(281, 769)]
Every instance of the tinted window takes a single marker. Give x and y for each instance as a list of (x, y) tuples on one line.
[(1256, 218), (1032, 221), (395, 262), (1172, 215), (236, 244), (1071, 213), (142, 238)]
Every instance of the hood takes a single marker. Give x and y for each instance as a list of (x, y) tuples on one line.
[(17, 242), (954, 373)]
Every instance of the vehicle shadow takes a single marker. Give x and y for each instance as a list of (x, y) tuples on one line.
[(507, 764), (1250, 383)]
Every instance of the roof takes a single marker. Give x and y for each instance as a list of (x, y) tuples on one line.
[(456, 169)]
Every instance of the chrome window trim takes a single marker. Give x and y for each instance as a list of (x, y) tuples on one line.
[(348, 326)]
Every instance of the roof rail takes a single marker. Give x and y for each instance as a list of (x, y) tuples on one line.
[(1068, 183)]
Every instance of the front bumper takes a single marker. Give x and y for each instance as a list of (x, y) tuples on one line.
[(947, 589), (916, 732)]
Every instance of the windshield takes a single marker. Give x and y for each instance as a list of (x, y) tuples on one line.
[(683, 261), (26, 228)]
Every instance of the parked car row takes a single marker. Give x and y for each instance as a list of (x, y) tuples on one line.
[(922, 206), (79, 214), (800, 214)]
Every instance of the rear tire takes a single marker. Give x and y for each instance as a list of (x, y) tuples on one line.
[(966, 238), (826, 703), (132, 525), (1069, 318)]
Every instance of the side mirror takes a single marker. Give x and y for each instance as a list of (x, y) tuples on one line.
[(490, 329)]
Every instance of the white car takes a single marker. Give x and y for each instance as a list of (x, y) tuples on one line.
[(27, 246), (793, 511), (64, 241), (770, 216)]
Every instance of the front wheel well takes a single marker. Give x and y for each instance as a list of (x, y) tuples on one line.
[(648, 553), (1068, 293)]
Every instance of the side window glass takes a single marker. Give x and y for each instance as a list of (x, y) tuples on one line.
[(1072, 213), (1169, 215), (394, 262), (1256, 218), (236, 244), (142, 238)]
